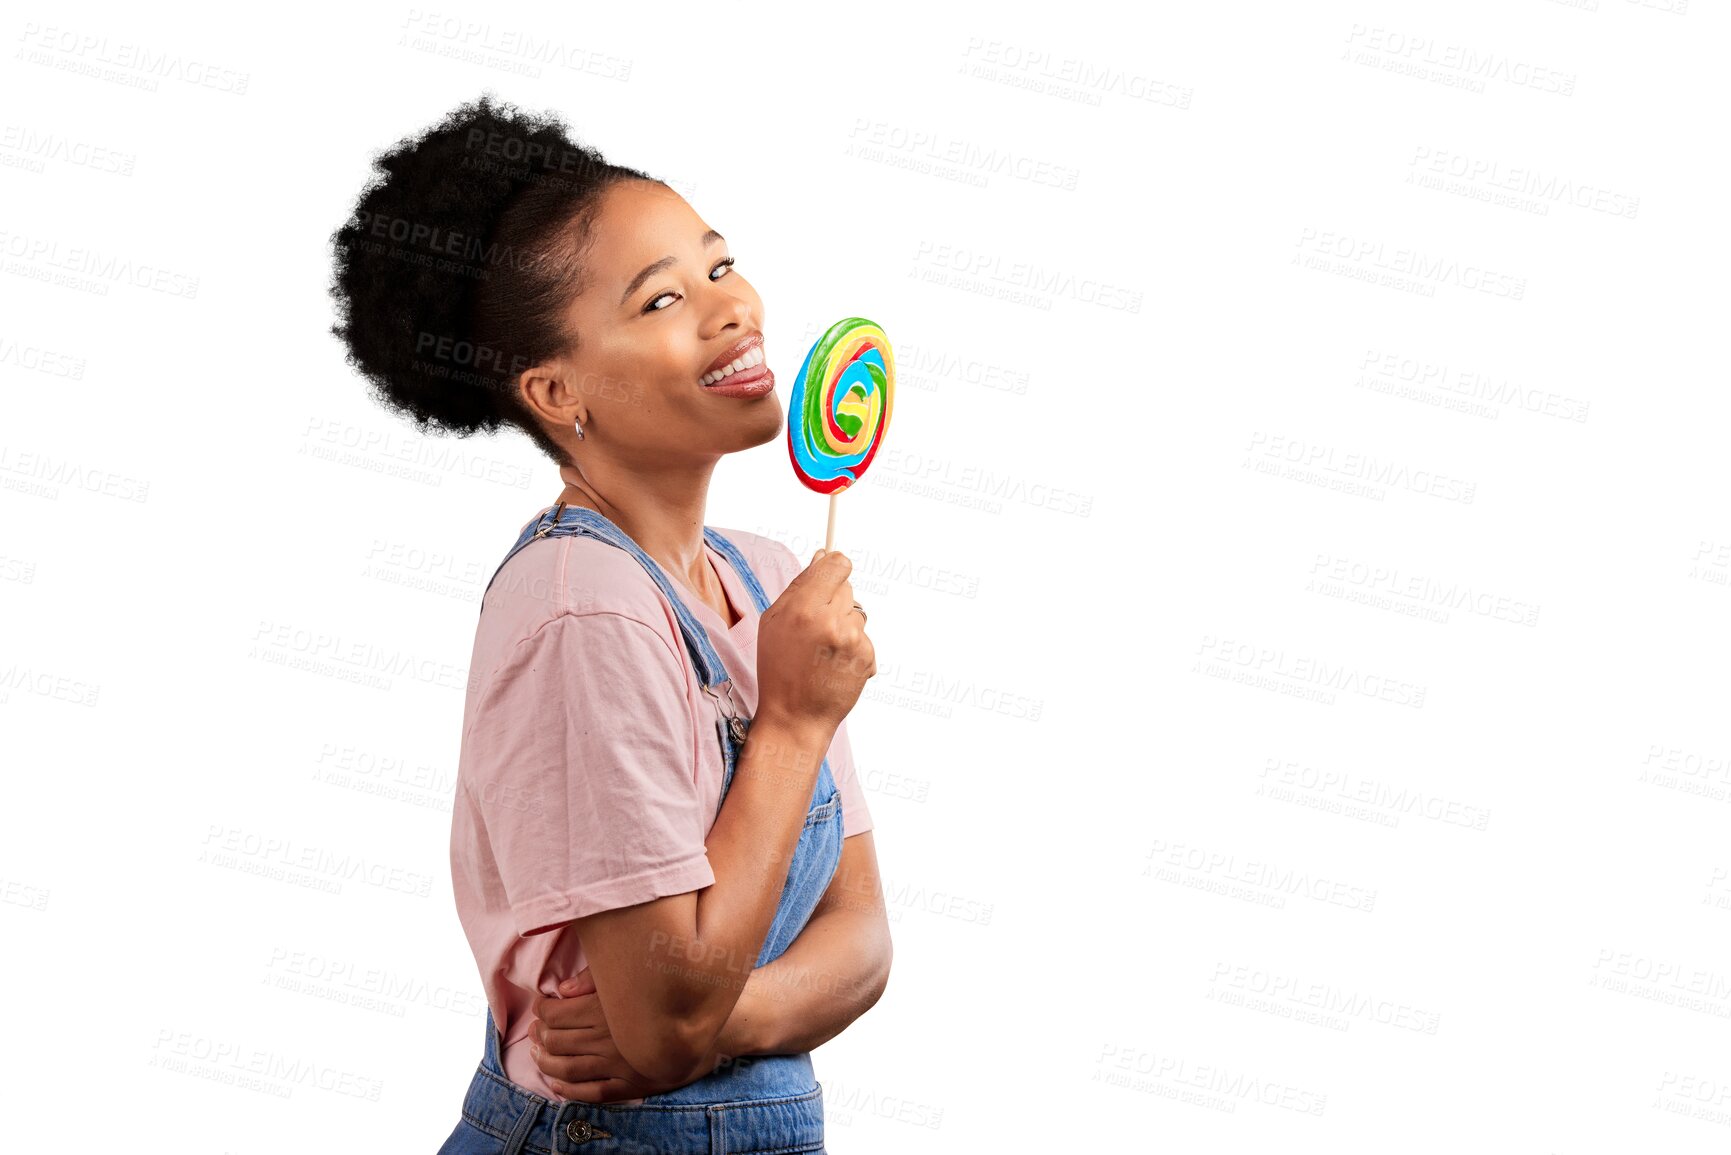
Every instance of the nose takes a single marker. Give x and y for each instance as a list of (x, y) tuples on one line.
[(732, 310)]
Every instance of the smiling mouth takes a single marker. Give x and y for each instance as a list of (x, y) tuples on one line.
[(744, 366)]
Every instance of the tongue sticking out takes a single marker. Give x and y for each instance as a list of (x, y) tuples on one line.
[(752, 382), (741, 366)]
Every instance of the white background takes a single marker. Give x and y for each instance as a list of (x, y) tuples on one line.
[(1299, 563)]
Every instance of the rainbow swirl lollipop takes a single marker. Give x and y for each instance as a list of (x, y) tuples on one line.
[(840, 405)]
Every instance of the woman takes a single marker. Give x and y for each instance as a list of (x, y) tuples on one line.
[(656, 801)]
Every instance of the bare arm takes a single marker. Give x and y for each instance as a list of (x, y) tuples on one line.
[(834, 972), (668, 972)]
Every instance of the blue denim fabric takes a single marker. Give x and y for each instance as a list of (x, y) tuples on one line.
[(756, 1104)]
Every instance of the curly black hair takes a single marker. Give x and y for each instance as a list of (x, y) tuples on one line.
[(456, 264)]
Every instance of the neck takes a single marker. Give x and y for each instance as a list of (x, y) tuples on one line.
[(661, 510)]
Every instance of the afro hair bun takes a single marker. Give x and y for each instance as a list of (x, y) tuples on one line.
[(453, 271)]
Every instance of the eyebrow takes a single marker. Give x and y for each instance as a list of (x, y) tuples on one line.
[(705, 240)]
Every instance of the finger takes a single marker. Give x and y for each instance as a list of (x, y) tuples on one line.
[(826, 571), (841, 598), (581, 1092), (582, 984), (566, 1014), (614, 1089), (596, 1090), (837, 566), (578, 1068), (573, 1041)]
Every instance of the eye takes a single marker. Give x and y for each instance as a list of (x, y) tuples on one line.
[(722, 265)]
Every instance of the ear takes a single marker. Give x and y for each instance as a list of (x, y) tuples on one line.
[(546, 393)]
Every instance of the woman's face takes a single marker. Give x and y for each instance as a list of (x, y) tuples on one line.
[(644, 341)]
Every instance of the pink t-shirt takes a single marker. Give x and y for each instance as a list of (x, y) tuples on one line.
[(590, 770)]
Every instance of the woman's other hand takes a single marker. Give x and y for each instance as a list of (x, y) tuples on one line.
[(575, 1051)]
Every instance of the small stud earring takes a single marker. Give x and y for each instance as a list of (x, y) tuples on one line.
[(579, 426)]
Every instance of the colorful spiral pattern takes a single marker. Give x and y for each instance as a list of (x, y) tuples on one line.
[(840, 405)]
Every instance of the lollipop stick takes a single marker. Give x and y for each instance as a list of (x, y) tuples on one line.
[(829, 534)]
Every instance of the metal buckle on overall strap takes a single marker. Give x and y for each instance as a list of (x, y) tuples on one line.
[(736, 722), (543, 531)]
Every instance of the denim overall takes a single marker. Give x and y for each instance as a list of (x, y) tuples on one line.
[(756, 1103)]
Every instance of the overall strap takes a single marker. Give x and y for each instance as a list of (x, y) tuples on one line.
[(567, 520), (727, 550)]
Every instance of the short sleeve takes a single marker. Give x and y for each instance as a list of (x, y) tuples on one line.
[(581, 762), (855, 818)]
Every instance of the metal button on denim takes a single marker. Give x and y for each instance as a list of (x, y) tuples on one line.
[(581, 1131)]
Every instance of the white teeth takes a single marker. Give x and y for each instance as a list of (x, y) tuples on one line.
[(753, 357)]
